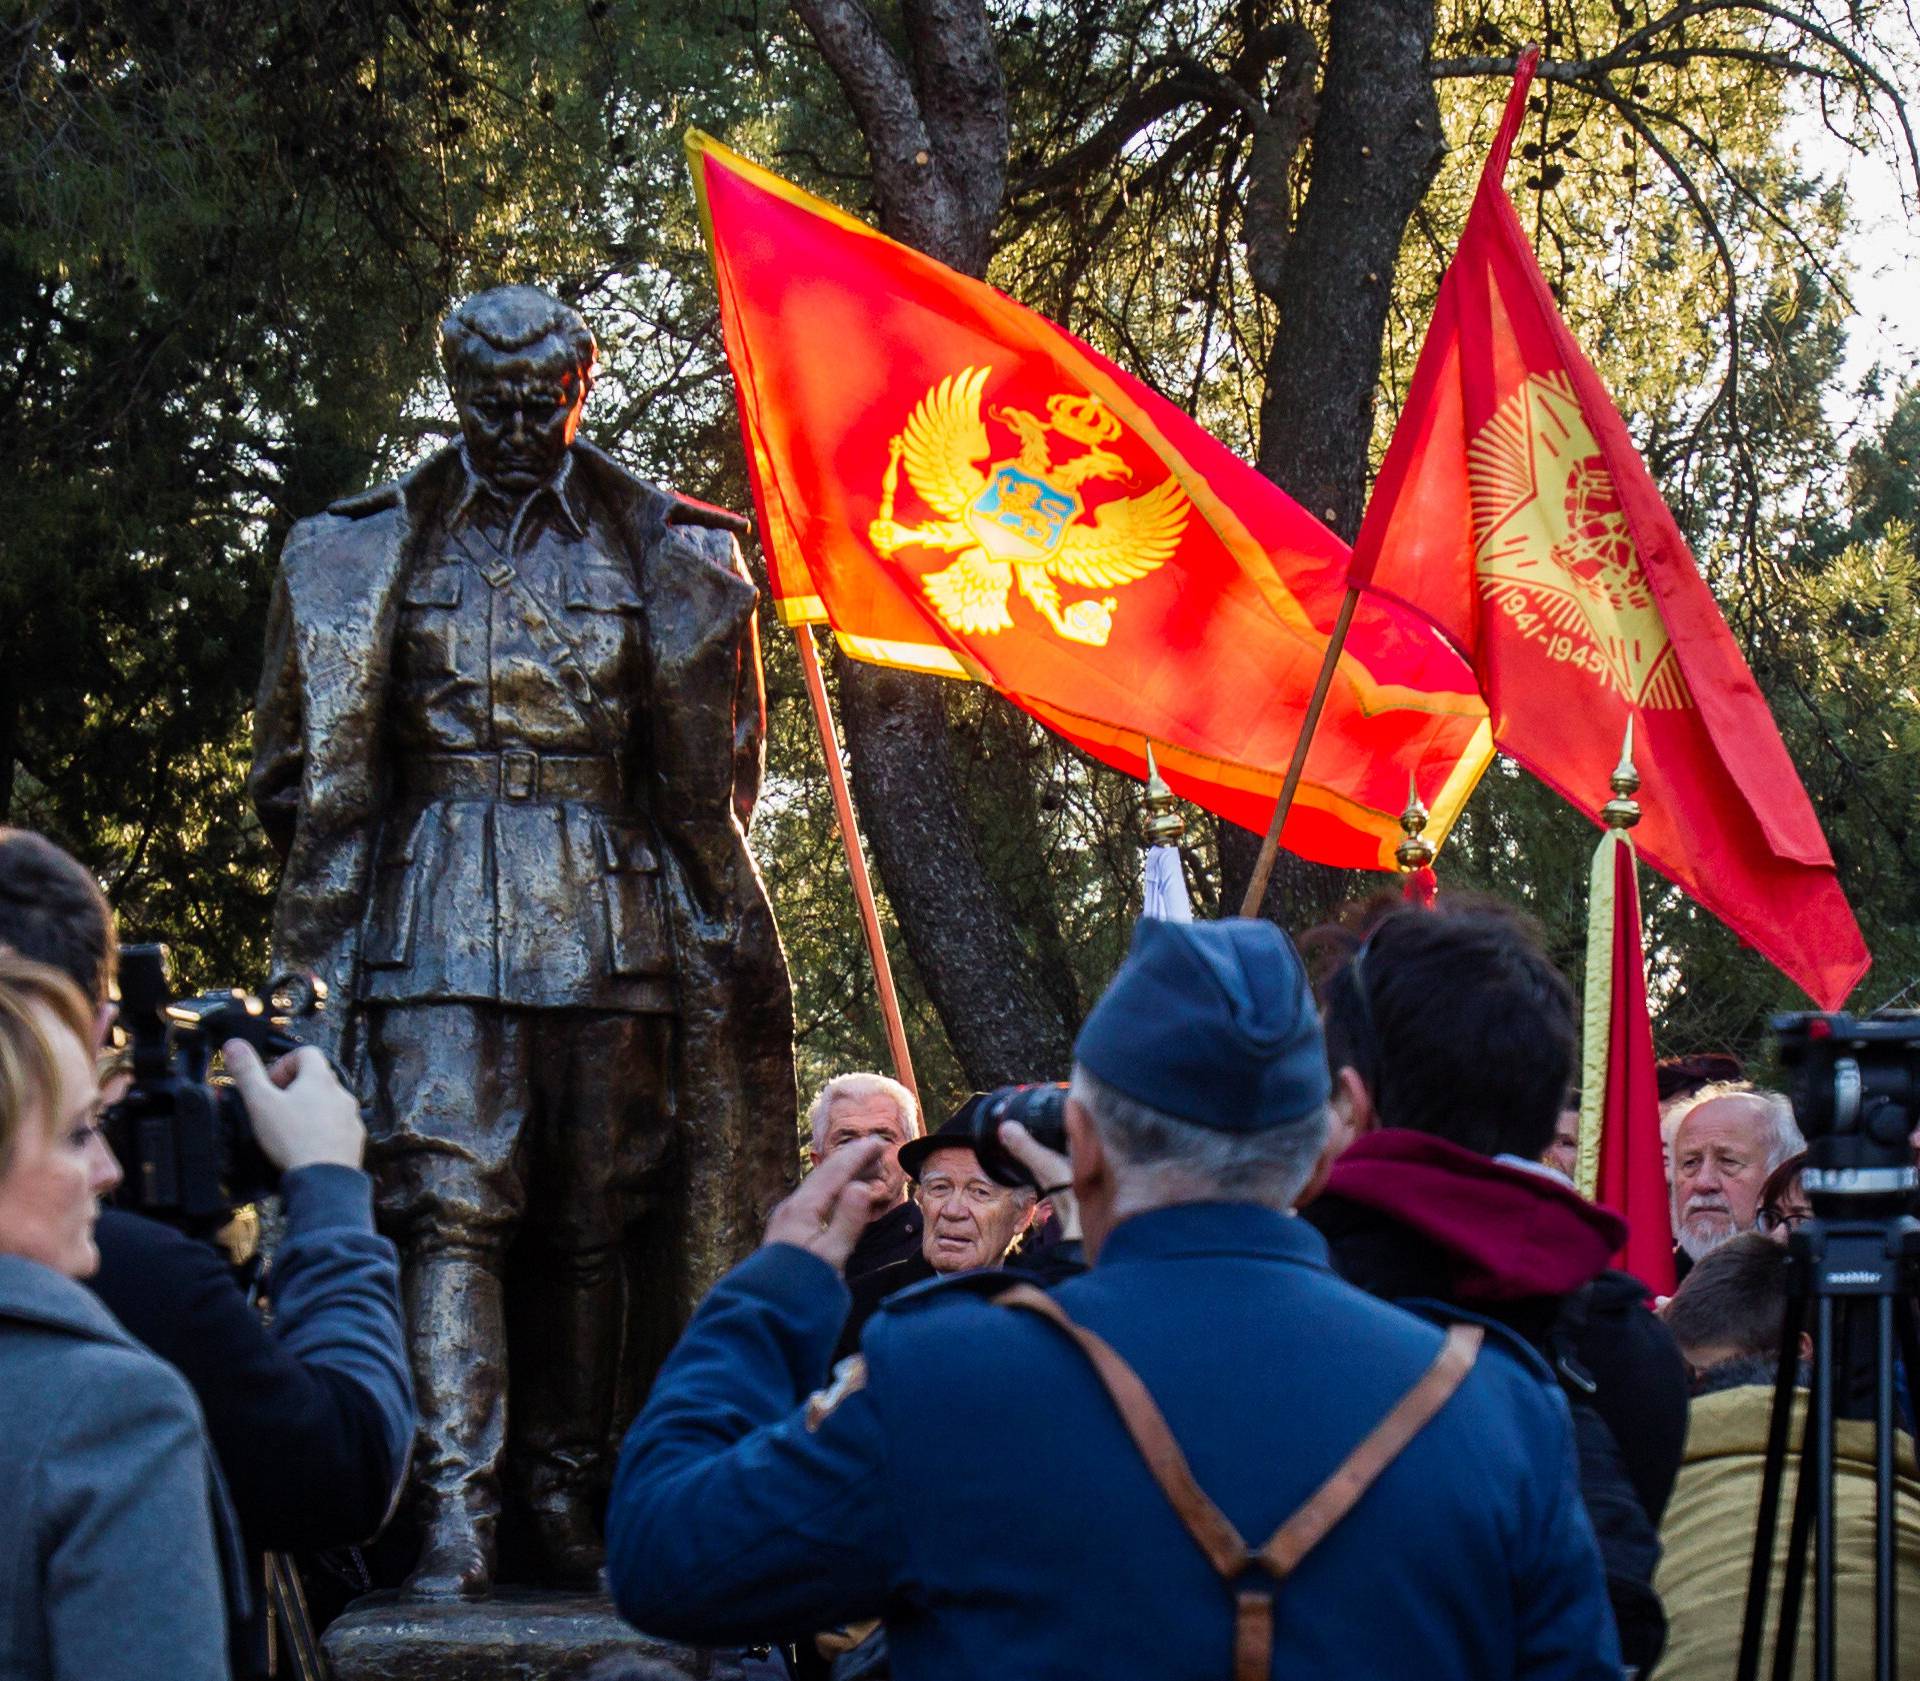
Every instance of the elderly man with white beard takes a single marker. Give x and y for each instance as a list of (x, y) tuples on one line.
[(1725, 1146)]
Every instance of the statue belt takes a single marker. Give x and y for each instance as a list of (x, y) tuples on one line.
[(518, 773)]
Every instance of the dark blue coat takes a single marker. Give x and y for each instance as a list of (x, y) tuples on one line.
[(978, 1490)]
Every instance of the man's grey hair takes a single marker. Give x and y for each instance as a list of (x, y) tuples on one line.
[(1783, 1131), (856, 1087), (1162, 1159)]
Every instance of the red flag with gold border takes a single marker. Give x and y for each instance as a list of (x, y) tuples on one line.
[(957, 485), (1514, 513)]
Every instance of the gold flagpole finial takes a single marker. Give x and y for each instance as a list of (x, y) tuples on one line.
[(1623, 810), (1164, 824), (1416, 851)]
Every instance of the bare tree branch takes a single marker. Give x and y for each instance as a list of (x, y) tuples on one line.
[(1636, 51)]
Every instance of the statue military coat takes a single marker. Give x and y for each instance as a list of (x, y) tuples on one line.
[(323, 783)]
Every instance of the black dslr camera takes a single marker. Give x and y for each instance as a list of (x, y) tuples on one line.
[(184, 1140), (1041, 1109), (1855, 1089)]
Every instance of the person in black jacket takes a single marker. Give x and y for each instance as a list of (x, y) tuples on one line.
[(849, 1109), (971, 1223), (311, 1420), (1451, 1042)]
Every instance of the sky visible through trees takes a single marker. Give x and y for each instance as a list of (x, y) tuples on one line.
[(227, 234)]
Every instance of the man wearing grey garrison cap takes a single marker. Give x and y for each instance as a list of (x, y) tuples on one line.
[(1229, 1464)]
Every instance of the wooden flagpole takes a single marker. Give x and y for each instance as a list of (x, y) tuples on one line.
[(1270, 847), (856, 859)]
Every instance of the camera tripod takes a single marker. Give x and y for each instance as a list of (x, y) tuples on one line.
[(1859, 1254)]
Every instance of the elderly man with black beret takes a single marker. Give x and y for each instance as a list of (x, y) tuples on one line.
[(969, 1221), (1247, 1467)]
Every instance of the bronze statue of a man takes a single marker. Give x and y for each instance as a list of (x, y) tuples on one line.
[(508, 739)]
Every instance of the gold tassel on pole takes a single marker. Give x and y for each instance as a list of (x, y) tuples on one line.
[(1596, 1025), (1164, 884)]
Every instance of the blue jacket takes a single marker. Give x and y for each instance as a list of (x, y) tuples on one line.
[(312, 1417), (974, 1486)]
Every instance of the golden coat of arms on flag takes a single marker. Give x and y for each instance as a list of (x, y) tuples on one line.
[(1022, 521)]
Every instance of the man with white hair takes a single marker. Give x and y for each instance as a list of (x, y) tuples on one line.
[(1204, 1456), (850, 1109), (1727, 1143)]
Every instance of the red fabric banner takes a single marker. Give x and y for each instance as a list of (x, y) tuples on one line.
[(1514, 513), (957, 485), (1633, 1173)]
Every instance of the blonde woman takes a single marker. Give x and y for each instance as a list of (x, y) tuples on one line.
[(111, 1569)]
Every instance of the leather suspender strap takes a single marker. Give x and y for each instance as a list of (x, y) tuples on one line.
[(1383, 1444), (1210, 1527)]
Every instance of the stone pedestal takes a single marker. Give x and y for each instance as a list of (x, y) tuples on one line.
[(520, 1634)]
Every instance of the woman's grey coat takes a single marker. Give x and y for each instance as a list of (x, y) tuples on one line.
[(111, 1511)]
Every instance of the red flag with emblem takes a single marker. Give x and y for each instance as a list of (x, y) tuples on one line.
[(1621, 1164), (1514, 513), (957, 485)]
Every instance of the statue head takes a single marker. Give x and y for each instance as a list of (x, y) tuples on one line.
[(519, 363)]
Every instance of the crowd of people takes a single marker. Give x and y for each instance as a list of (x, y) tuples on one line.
[(1304, 1356)]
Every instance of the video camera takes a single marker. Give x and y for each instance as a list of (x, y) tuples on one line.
[(183, 1139), (1855, 1088)]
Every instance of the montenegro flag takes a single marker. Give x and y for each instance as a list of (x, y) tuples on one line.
[(1514, 513), (958, 486)]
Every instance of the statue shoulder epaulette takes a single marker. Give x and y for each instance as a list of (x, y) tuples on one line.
[(690, 510), (372, 501)]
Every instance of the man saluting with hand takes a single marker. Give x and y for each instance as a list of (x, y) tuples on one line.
[(1248, 1467)]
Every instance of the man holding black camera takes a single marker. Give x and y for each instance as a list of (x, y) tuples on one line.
[(1152, 1421), (310, 1420), (971, 1220)]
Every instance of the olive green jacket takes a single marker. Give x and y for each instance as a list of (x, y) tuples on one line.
[(1707, 1542)]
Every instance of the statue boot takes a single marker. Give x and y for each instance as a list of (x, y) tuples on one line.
[(456, 1312), (564, 1418)]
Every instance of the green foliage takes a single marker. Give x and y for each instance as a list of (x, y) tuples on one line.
[(226, 234)]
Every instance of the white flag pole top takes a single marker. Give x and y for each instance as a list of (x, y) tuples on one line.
[(1164, 887)]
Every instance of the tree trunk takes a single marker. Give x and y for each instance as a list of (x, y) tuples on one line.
[(958, 929), (937, 132), (1376, 145)]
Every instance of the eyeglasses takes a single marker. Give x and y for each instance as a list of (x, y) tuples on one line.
[(1783, 1219), (977, 1193)]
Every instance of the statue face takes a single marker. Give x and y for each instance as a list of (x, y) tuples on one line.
[(518, 417)]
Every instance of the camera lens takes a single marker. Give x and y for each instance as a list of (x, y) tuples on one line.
[(1041, 1109)]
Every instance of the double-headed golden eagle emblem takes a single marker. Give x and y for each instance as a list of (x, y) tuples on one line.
[(1023, 520)]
